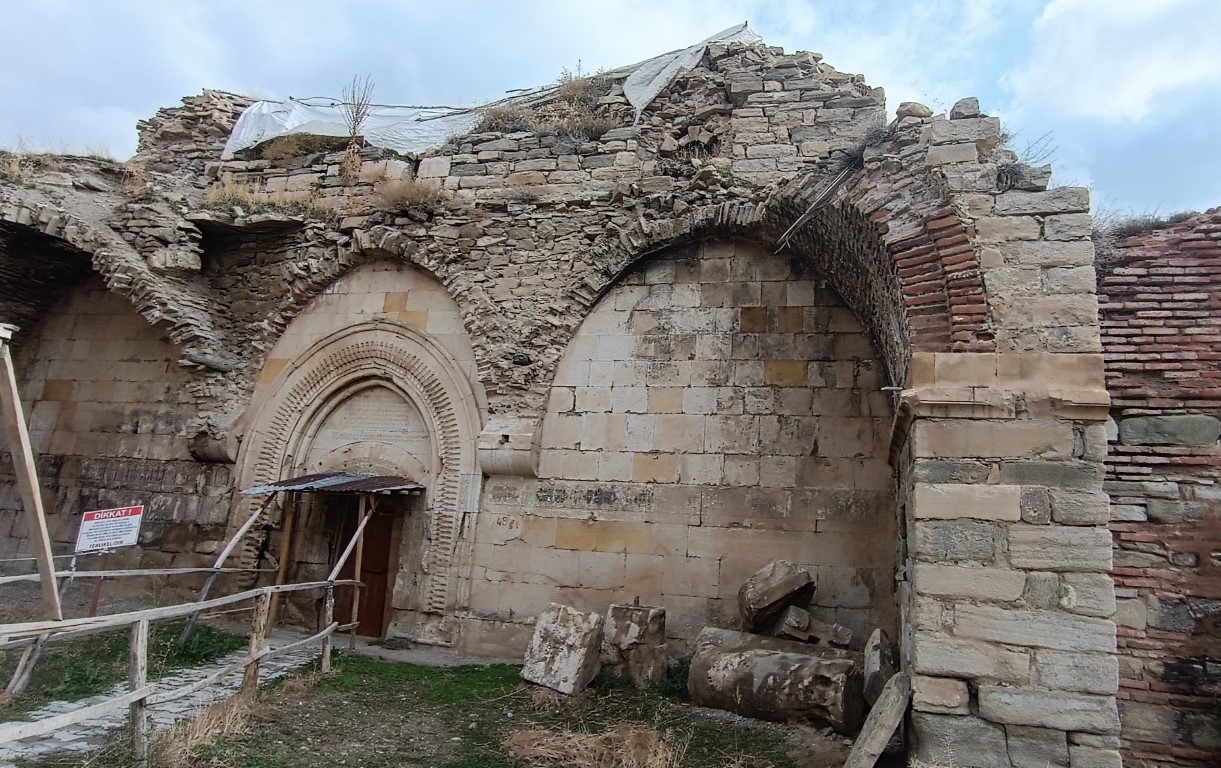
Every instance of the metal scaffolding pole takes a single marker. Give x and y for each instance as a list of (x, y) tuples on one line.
[(27, 475)]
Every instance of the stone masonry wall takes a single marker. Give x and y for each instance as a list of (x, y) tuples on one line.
[(972, 281), (1160, 295), (109, 421), (720, 408)]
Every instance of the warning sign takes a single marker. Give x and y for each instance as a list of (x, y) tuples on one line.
[(104, 529)]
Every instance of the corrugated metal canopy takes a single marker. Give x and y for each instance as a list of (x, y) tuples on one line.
[(340, 482)]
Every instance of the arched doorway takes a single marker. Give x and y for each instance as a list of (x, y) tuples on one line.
[(378, 398)]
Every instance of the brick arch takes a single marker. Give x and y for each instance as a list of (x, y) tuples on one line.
[(181, 310), (909, 272)]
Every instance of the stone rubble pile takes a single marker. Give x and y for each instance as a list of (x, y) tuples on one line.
[(570, 647), (784, 665)]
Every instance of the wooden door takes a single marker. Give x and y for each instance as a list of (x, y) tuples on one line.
[(375, 565)]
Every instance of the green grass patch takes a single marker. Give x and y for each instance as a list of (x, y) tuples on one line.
[(78, 667), (380, 714)]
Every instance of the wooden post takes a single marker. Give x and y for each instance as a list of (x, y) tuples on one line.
[(258, 631), (220, 560), (286, 547), (138, 677), (360, 555), (328, 617), (97, 585), (27, 476)]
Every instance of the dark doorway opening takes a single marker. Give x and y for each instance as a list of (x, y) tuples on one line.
[(378, 564)]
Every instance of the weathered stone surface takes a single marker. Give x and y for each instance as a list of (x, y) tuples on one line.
[(1189, 429), (1060, 548), (943, 695), (775, 679), (913, 109), (1083, 672), (951, 740), (1049, 709), (1058, 200), (981, 502), (1042, 629), (999, 584), (1091, 594), (880, 664), (963, 108), (634, 643), (950, 657), (1080, 507), (1031, 747), (797, 624), (963, 541), (564, 650), (883, 719), (1094, 757), (771, 589)]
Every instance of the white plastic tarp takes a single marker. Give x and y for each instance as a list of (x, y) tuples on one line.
[(651, 77), (415, 129), (403, 129)]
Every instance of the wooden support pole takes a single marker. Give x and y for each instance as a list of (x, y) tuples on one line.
[(27, 476), (360, 555), (258, 631), (138, 677), (287, 523), (328, 618), (220, 560)]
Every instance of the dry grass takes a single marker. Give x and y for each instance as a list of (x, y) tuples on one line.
[(298, 145), (509, 118), (19, 167), (624, 746), (181, 746), (406, 194), (229, 194), (137, 183)]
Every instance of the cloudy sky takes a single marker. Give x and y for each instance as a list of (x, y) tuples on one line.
[(1128, 91)]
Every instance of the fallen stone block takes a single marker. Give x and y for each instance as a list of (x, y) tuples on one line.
[(634, 643), (774, 679), (564, 650), (883, 719), (881, 663), (797, 624), (771, 589)]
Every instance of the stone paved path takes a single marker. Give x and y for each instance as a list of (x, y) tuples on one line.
[(90, 734)]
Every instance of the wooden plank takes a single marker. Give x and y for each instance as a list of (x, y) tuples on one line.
[(14, 731), (27, 476), (328, 618), (360, 556), (334, 575), (138, 678), (258, 631), (131, 572), (220, 560), (286, 549), (883, 719), (16, 631)]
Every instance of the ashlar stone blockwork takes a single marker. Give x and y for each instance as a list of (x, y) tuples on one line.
[(653, 389)]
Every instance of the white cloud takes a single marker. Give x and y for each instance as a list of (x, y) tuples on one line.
[(1119, 61)]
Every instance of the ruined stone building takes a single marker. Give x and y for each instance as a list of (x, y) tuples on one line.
[(761, 321)]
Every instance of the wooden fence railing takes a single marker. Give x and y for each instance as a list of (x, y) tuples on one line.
[(141, 694)]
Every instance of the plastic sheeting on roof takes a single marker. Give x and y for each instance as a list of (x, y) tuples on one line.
[(651, 77), (415, 129), (403, 129)]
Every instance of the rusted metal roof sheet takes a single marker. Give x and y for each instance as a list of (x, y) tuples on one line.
[(340, 482)]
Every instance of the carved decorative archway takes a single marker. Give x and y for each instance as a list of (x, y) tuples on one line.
[(407, 361)]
